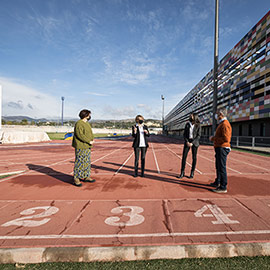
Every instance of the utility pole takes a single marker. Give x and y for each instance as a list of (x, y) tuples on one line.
[(0, 107), (215, 71), (62, 118), (162, 98)]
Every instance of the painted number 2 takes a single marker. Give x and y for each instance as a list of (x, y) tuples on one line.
[(133, 214), (28, 222)]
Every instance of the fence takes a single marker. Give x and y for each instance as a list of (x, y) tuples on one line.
[(245, 141)]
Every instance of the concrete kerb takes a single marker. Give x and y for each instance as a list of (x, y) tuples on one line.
[(130, 253)]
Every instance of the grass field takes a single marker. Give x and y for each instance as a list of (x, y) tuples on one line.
[(56, 136), (235, 263), (252, 152), (61, 135), (4, 176)]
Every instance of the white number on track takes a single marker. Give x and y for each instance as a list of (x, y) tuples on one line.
[(221, 217), (134, 217), (28, 222)]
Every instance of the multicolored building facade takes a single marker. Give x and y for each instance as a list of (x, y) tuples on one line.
[(243, 89)]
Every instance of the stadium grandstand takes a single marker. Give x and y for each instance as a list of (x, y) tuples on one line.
[(243, 89)]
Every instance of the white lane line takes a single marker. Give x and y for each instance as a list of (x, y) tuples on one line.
[(138, 235), (226, 166), (123, 164), (205, 199), (32, 171), (24, 156), (9, 173), (155, 158), (107, 154), (250, 164), (181, 159)]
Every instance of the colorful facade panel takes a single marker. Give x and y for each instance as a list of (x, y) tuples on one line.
[(243, 88)]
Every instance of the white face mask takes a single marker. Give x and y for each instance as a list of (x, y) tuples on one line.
[(216, 116)]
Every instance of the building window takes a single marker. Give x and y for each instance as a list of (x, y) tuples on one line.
[(262, 129), (250, 130), (240, 130)]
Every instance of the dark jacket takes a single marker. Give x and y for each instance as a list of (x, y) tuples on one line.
[(136, 141), (196, 134)]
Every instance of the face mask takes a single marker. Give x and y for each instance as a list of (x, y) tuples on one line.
[(216, 116), (190, 119), (140, 121), (89, 118)]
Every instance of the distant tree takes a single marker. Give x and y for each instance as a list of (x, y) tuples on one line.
[(24, 122), (4, 122)]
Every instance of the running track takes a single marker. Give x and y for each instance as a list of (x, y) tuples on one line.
[(41, 208)]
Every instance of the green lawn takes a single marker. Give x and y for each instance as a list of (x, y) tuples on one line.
[(4, 176), (235, 263), (56, 136), (251, 152), (61, 135)]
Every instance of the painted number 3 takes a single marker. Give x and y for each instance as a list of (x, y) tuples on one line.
[(28, 222), (133, 214)]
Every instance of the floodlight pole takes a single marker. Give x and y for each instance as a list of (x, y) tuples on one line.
[(162, 98), (0, 107), (62, 118), (215, 71)]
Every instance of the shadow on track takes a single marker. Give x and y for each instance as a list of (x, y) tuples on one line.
[(129, 170), (66, 178)]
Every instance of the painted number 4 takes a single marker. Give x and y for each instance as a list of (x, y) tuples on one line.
[(221, 217)]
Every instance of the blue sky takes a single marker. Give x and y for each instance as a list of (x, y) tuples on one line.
[(114, 57)]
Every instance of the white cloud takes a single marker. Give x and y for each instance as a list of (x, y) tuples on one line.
[(119, 113), (97, 94), (21, 99), (133, 68)]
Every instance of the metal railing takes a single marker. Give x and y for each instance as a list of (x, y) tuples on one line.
[(245, 141)]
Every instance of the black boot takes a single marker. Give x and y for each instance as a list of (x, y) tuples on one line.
[(136, 173), (181, 175), (142, 172), (142, 167), (191, 174)]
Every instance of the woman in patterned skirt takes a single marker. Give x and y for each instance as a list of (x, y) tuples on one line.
[(83, 139)]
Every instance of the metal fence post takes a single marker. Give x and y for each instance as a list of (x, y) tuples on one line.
[(237, 141), (253, 142)]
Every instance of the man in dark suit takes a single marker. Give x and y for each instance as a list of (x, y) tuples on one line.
[(140, 133), (192, 134)]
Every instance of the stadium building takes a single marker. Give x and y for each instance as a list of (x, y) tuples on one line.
[(243, 89)]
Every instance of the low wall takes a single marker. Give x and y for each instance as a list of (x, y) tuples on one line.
[(66, 129), (16, 137), (56, 129)]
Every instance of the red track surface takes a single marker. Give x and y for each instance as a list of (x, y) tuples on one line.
[(122, 210)]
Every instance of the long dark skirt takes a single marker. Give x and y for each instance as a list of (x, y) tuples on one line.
[(82, 165)]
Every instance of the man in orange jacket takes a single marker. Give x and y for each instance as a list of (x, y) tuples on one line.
[(222, 147)]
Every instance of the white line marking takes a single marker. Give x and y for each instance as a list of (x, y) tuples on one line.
[(133, 200), (123, 164), (214, 161), (181, 159), (142, 235), (107, 155), (42, 156), (250, 164), (8, 173), (31, 171), (155, 158)]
